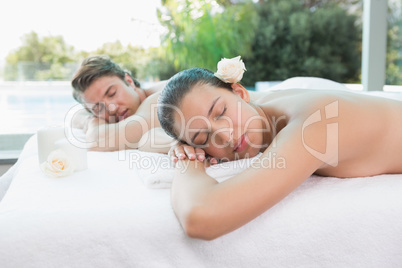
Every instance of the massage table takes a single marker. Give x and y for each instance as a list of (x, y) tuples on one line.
[(117, 213)]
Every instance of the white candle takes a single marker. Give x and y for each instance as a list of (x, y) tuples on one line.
[(46, 139), (78, 155)]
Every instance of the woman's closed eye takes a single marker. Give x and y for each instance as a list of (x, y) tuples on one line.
[(197, 144), (203, 144), (206, 141), (222, 113)]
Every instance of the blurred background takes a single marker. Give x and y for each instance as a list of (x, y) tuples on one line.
[(44, 41)]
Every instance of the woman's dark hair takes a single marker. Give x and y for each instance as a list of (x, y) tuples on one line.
[(175, 90)]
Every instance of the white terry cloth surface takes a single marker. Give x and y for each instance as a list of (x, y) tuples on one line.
[(157, 171), (106, 217), (5, 180)]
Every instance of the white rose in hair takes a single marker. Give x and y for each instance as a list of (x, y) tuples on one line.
[(58, 164), (230, 70)]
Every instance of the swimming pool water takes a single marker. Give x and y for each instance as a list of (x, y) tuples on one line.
[(25, 109)]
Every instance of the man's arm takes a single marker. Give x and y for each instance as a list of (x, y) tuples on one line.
[(125, 134), (128, 133), (81, 119)]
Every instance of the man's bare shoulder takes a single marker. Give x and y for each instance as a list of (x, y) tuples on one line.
[(147, 110), (151, 99)]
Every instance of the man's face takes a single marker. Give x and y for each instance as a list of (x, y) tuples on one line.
[(111, 98)]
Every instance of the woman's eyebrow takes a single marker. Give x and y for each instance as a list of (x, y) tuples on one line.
[(209, 113), (213, 105)]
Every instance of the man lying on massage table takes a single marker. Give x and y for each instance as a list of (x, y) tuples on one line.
[(118, 114)]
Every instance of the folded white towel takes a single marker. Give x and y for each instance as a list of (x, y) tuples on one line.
[(157, 170), (226, 170)]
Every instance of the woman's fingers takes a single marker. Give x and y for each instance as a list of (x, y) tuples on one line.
[(179, 152), (172, 155), (213, 160), (200, 154), (182, 151), (190, 152)]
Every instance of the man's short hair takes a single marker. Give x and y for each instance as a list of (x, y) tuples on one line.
[(93, 68)]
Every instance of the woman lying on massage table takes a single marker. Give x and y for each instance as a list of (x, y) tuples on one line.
[(329, 133)]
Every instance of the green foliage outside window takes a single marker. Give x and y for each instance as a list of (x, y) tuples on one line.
[(277, 39), (201, 32), (294, 40), (394, 45), (40, 59)]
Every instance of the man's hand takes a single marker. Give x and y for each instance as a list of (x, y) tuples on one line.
[(92, 132), (81, 120), (93, 123)]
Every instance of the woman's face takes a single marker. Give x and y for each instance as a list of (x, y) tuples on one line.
[(221, 122)]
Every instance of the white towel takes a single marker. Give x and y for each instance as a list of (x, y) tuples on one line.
[(157, 170)]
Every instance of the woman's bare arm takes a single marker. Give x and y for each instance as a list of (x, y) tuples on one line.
[(207, 209)]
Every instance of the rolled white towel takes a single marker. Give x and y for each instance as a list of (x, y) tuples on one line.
[(157, 171)]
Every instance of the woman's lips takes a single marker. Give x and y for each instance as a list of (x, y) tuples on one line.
[(242, 144)]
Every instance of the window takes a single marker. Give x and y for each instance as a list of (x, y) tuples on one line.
[(394, 44), (35, 83), (43, 43)]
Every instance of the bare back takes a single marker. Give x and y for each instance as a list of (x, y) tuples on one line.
[(353, 134)]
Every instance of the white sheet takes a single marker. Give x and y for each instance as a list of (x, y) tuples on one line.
[(106, 217)]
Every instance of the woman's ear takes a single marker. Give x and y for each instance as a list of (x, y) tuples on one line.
[(241, 91)]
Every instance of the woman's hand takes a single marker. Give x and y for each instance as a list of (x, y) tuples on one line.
[(182, 151)]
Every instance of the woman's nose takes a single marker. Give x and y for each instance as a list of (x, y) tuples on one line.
[(225, 136)]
